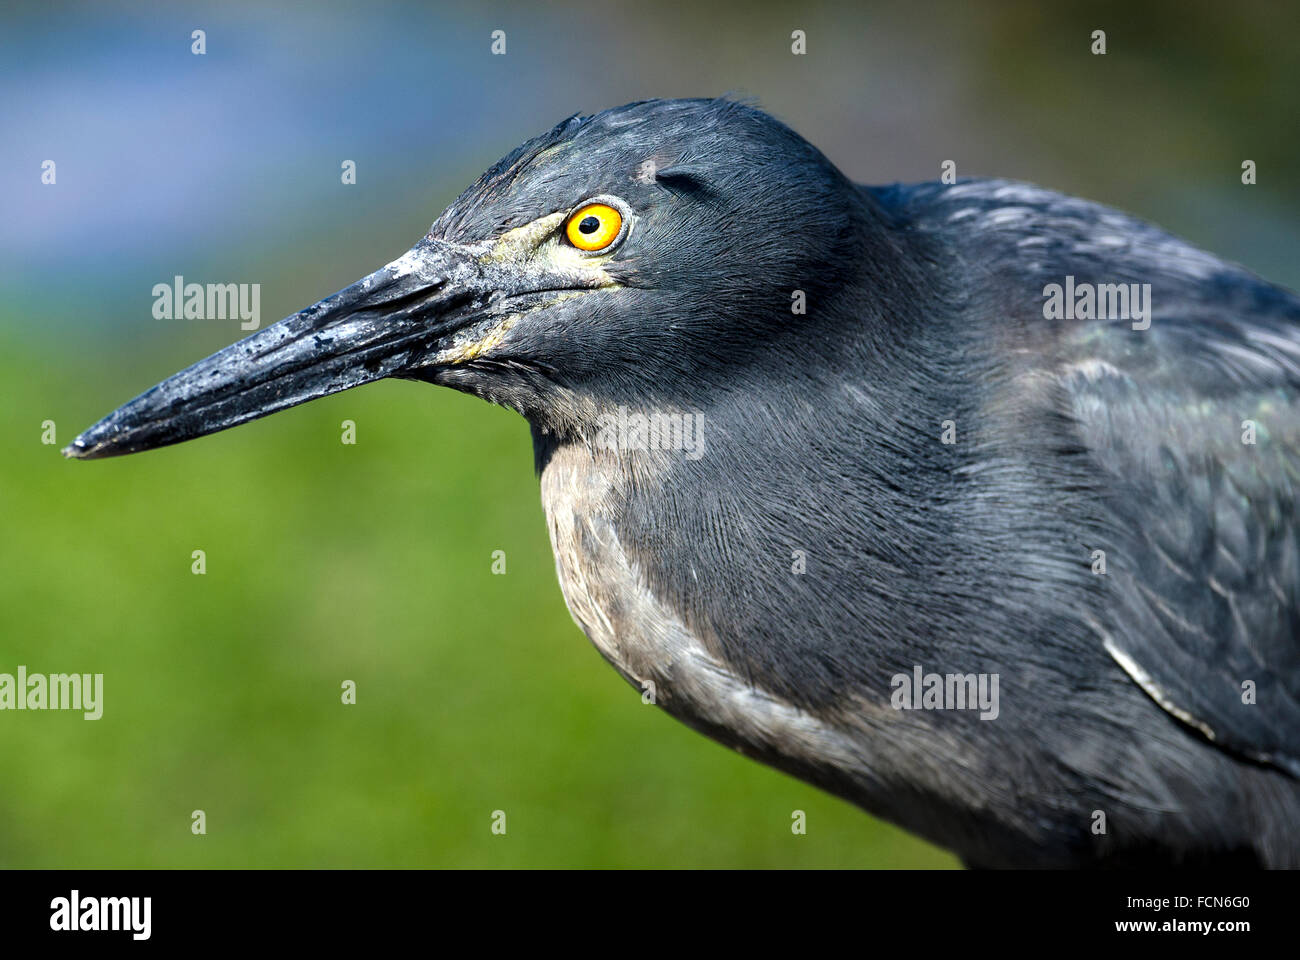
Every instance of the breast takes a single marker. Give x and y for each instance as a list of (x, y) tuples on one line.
[(605, 595), (649, 644), (891, 763)]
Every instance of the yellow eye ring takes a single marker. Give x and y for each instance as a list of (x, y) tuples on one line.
[(594, 226)]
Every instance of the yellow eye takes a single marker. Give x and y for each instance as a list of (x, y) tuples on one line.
[(594, 227)]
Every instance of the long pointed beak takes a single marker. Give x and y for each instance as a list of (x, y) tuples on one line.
[(383, 325)]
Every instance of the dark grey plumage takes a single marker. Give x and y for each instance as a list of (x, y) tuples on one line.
[(1120, 693)]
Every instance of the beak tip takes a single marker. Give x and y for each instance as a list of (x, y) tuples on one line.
[(81, 449)]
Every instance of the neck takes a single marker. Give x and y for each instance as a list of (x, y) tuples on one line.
[(745, 528)]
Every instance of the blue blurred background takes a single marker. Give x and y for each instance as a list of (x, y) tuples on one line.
[(371, 562)]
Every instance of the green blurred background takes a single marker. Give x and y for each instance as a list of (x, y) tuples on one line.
[(372, 562)]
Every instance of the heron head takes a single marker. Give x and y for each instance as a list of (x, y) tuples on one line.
[(641, 255)]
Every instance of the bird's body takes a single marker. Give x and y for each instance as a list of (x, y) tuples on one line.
[(917, 474), (971, 558)]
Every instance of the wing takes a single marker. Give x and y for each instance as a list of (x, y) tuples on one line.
[(1205, 563), (1193, 429)]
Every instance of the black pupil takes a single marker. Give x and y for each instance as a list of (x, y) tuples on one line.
[(589, 225)]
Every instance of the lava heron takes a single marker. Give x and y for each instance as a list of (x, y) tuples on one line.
[(972, 503)]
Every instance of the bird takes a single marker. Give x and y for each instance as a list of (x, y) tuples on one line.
[(971, 503)]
